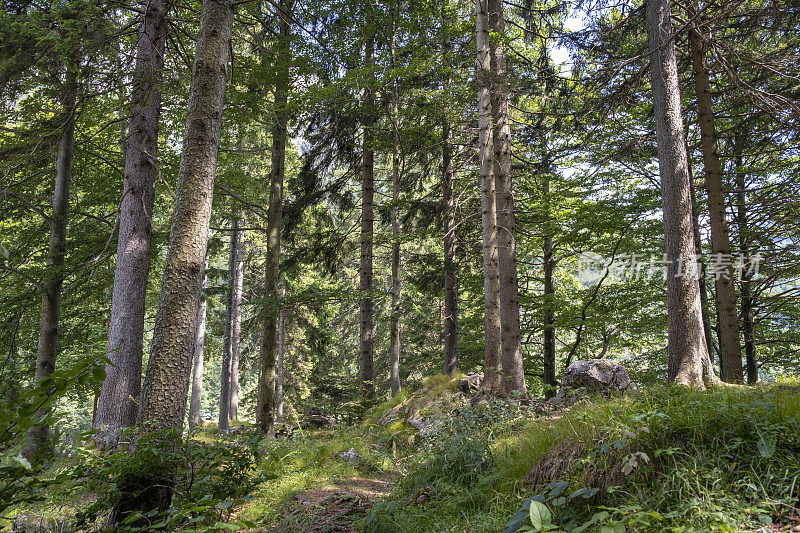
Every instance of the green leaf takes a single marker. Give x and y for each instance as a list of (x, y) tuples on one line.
[(540, 515), (766, 446), (22, 461)]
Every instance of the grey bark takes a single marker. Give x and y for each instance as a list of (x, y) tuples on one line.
[(450, 265), (491, 270), (117, 405), (513, 367), (688, 363), (548, 313), (230, 340), (166, 381), (236, 327), (394, 326), (748, 302), (449, 207), (727, 313), (707, 329), (366, 366), (279, 382), (266, 390), (196, 396), (47, 347)]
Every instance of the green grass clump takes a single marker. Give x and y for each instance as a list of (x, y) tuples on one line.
[(664, 459), (307, 461)]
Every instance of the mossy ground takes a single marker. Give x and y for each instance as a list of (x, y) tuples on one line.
[(662, 459)]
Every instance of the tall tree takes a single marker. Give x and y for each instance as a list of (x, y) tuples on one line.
[(163, 400), (195, 420), (689, 363), (748, 302), (231, 328), (491, 269), (394, 327), (513, 368), (269, 332), (366, 364), (47, 347), (279, 378), (730, 353), (117, 405), (449, 207)]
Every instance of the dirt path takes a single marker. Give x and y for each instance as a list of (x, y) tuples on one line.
[(333, 508)]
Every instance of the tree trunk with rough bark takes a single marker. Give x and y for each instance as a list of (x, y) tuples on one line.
[(279, 382), (236, 326), (450, 265), (117, 405), (166, 383), (230, 341), (366, 365), (730, 351), (47, 347), (449, 208), (548, 313), (513, 367), (195, 419), (688, 363), (394, 326), (707, 329), (492, 369), (269, 330), (748, 302)]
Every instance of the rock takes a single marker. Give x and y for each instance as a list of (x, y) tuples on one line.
[(470, 384), (284, 430), (351, 456), (594, 375), (425, 427), (316, 418)]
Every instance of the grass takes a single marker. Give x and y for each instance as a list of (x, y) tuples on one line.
[(661, 459)]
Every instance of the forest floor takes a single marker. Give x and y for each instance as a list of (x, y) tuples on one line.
[(334, 508), (436, 460)]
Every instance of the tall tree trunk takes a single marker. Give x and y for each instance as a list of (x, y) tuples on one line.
[(236, 326), (450, 266), (166, 383), (195, 419), (229, 339), (117, 406), (689, 363), (47, 348), (279, 383), (492, 370), (366, 366), (266, 386), (394, 334), (548, 313), (449, 206), (707, 329), (748, 302), (730, 351), (513, 368)]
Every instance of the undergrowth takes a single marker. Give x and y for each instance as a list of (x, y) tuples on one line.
[(661, 459)]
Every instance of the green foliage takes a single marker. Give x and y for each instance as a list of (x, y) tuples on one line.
[(212, 478), (22, 482)]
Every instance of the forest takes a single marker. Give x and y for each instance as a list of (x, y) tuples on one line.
[(400, 265)]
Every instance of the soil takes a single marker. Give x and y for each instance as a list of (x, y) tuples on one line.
[(334, 508)]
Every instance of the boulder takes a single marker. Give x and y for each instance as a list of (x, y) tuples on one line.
[(317, 419), (470, 384), (351, 456), (594, 375)]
